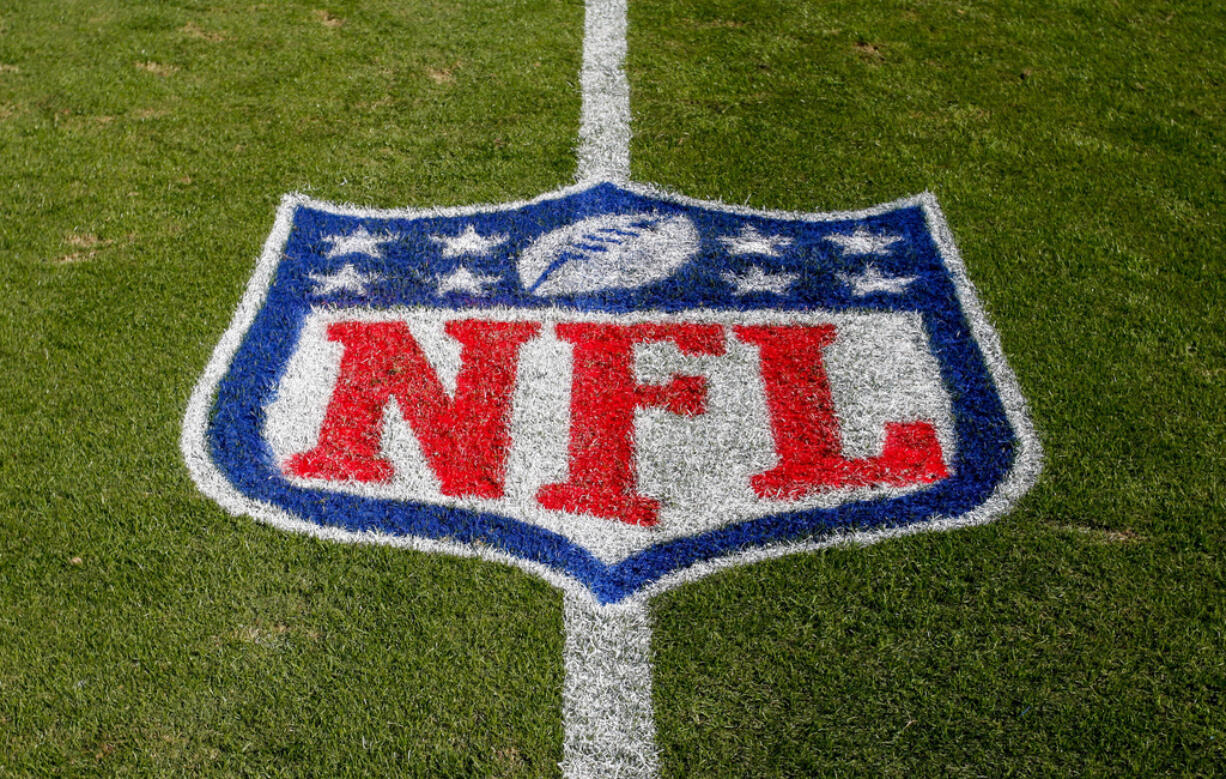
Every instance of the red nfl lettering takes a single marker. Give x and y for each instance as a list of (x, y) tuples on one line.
[(464, 439)]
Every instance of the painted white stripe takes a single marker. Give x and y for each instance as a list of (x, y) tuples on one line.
[(604, 122), (606, 701)]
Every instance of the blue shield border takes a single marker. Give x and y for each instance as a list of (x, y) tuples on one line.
[(997, 457)]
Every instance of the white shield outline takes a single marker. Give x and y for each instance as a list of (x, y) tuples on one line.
[(212, 482)]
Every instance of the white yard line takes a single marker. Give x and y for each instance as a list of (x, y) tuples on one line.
[(606, 700), (607, 711), (604, 122)]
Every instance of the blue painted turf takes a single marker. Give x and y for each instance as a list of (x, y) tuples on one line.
[(985, 446)]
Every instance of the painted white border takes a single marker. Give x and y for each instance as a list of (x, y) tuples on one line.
[(211, 482)]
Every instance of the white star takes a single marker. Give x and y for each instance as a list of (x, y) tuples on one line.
[(467, 242), (864, 242), (463, 280), (750, 241), (757, 280), (871, 281), (347, 278), (359, 241)]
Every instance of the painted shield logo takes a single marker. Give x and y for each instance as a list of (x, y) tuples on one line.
[(610, 386)]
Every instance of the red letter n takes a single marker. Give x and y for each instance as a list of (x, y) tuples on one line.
[(465, 439)]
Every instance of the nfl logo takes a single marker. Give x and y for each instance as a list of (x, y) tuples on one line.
[(615, 388)]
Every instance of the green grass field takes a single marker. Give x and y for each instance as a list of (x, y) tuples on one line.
[(1078, 150)]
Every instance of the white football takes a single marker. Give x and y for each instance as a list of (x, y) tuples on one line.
[(615, 251)]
